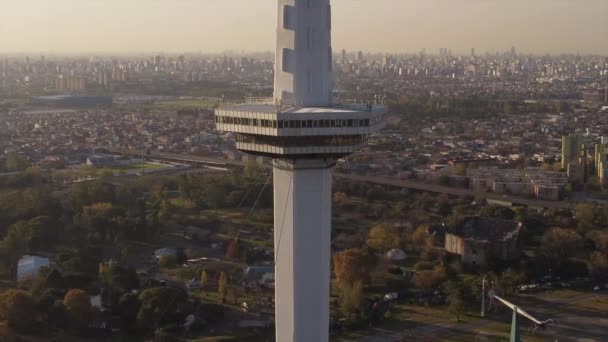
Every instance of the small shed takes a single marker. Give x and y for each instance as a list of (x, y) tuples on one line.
[(396, 254), (165, 252)]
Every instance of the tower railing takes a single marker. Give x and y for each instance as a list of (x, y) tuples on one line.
[(283, 106)]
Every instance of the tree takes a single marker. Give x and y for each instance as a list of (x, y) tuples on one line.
[(458, 293), (341, 199), (204, 279), (214, 195), (232, 252), (222, 285), (44, 230), (15, 162), (430, 279), (558, 245), (165, 336), (6, 333), (508, 281), (383, 237), (497, 212), (591, 217), (128, 307), (350, 266), (252, 170), (352, 301), (166, 211), (460, 169), (456, 306), (167, 261), (600, 240), (18, 309), (159, 305), (598, 266), (78, 308), (118, 279), (443, 205), (421, 238), (16, 242)]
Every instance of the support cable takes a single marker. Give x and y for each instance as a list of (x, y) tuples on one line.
[(260, 195), (278, 247)]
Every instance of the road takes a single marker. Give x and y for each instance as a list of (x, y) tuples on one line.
[(416, 185), (386, 181)]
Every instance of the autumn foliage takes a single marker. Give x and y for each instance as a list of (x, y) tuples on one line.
[(232, 253), (350, 266)]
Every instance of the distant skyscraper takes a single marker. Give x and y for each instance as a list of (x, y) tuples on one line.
[(606, 89), (601, 159), (472, 52), (343, 56), (386, 60), (572, 145)]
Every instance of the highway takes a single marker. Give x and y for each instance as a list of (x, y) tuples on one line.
[(386, 181), (416, 185)]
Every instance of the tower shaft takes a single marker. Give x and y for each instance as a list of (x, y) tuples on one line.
[(302, 237), (303, 68), (304, 138)]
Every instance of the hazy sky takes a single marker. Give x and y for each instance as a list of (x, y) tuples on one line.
[(538, 26)]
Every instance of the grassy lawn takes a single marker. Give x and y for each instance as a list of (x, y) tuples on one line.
[(599, 305), (498, 332), (146, 166), (242, 336), (85, 170), (559, 294)]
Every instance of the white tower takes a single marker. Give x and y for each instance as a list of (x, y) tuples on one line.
[(304, 134), (303, 74)]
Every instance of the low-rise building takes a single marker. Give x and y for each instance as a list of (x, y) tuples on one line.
[(101, 160), (29, 265), (543, 184), (477, 239)]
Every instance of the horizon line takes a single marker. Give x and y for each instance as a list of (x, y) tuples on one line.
[(260, 52)]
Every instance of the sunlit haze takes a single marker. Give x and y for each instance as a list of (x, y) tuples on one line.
[(129, 26)]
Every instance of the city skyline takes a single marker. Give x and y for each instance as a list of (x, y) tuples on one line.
[(68, 26)]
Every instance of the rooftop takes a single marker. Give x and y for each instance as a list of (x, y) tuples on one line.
[(486, 229), (272, 108)]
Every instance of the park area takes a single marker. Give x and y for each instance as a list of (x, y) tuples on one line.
[(182, 104), (578, 316)]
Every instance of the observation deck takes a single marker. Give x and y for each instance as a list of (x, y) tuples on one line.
[(291, 132)]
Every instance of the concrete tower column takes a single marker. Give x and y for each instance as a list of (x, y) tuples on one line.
[(304, 140), (302, 237), (303, 75)]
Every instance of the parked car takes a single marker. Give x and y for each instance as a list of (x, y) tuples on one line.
[(389, 297)]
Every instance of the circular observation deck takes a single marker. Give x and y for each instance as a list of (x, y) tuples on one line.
[(300, 132)]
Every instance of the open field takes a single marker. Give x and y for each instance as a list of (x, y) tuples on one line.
[(119, 169), (145, 166), (577, 315), (182, 104)]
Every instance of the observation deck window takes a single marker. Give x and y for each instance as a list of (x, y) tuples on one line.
[(295, 123)]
